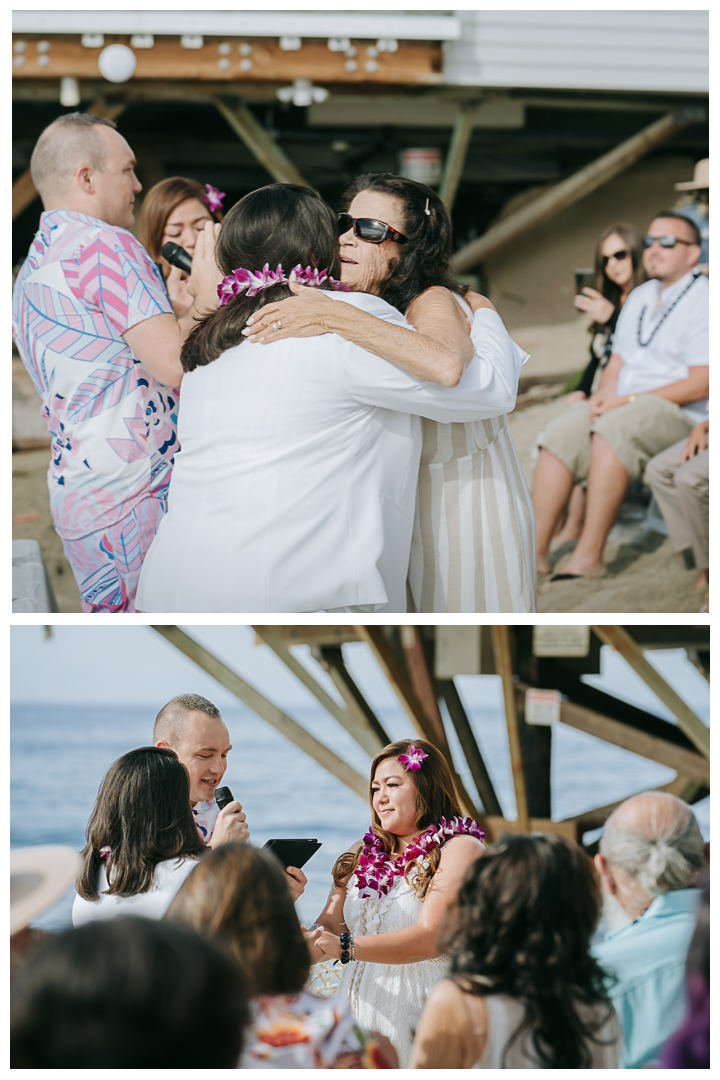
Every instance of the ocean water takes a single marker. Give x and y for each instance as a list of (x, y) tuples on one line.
[(59, 755)]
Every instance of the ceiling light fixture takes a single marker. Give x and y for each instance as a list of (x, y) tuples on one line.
[(302, 93)]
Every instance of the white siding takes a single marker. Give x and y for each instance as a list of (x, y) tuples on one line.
[(593, 50)]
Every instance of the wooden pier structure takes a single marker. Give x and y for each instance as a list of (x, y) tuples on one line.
[(540, 668)]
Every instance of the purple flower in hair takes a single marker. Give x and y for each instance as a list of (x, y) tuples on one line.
[(214, 197), (413, 760), (105, 853)]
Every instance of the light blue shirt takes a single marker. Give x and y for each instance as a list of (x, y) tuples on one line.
[(648, 958)]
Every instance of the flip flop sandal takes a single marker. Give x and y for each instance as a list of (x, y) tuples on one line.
[(560, 579)]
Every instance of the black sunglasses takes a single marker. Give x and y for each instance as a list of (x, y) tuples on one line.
[(370, 230), (618, 257), (665, 241)]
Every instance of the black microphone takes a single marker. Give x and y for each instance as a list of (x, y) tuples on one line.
[(177, 256), (223, 795)]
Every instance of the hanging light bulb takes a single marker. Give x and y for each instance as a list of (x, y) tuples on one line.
[(117, 63), (69, 92), (303, 93)]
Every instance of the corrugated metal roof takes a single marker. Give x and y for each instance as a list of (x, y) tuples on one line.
[(593, 50)]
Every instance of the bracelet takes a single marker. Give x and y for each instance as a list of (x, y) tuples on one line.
[(347, 944), (631, 398)]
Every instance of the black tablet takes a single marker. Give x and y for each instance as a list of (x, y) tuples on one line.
[(293, 852)]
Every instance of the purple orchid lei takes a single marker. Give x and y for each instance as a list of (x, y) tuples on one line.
[(376, 871), (214, 197), (254, 281)]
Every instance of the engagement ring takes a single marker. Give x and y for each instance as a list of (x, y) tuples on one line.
[(277, 325)]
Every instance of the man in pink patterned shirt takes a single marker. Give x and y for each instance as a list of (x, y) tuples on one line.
[(96, 331)]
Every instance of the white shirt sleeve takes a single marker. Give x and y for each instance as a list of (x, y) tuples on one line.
[(696, 341), (488, 388), (625, 326)]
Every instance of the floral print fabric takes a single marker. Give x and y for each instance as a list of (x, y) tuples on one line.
[(113, 426)]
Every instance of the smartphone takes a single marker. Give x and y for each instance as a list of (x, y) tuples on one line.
[(584, 279), (293, 852)]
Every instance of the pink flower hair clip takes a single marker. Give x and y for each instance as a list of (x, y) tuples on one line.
[(413, 760), (214, 197), (105, 853)]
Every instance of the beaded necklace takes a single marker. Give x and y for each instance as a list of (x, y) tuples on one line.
[(677, 300), (376, 871)]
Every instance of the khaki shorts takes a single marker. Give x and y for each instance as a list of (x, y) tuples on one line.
[(636, 432)]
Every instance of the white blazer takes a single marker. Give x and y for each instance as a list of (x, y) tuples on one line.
[(294, 490)]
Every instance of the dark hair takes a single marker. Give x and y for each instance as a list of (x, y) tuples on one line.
[(159, 204), (239, 893), (436, 798), (127, 993), (632, 238), (689, 1047), (425, 260), (679, 216), (279, 223), (522, 926), (142, 813)]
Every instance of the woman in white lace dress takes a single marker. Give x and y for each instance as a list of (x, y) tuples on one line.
[(392, 889)]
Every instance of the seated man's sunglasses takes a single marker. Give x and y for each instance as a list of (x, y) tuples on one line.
[(370, 230), (665, 241)]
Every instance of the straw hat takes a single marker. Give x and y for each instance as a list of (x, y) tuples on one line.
[(700, 180), (38, 877)]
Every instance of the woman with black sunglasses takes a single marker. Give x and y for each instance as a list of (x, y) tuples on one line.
[(618, 270), (473, 541)]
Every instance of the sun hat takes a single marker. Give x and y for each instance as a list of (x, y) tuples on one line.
[(700, 180), (38, 877)]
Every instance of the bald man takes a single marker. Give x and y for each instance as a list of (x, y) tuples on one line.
[(193, 727), (96, 332), (651, 859)]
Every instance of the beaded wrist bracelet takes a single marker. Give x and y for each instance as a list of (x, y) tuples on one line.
[(347, 944)]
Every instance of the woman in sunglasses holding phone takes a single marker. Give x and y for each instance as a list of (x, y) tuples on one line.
[(473, 541), (618, 270)]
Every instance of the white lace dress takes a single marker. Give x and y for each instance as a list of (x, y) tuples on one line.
[(388, 997)]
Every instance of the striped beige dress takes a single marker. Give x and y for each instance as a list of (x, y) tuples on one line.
[(474, 535)]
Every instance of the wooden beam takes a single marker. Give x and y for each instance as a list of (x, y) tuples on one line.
[(503, 663), (564, 194), (686, 762), (496, 826), (457, 152), (466, 737), (593, 819), (374, 637), (421, 682), (317, 635), (331, 659), (362, 734), (23, 190), (414, 62), (266, 709), (260, 144), (688, 721)]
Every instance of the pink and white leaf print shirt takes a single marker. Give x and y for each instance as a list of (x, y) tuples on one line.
[(113, 426)]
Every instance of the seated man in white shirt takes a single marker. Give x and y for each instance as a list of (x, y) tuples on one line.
[(193, 727), (651, 394)]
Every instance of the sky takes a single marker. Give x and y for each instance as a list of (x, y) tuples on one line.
[(134, 665)]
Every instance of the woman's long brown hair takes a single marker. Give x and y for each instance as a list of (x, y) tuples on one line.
[(142, 813), (158, 205), (436, 797), (632, 238), (239, 893)]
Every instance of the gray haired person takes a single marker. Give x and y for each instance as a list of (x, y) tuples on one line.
[(652, 856)]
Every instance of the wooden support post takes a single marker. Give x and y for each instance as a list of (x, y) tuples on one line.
[(260, 144), (383, 652), (503, 663), (264, 708), (457, 152), (421, 682), (593, 819), (23, 190), (366, 738), (481, 777), (687, 762), (331, 659), (688, 721), (569, 191), (536, 747)]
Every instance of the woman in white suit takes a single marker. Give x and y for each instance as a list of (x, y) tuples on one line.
[(295, 487), (474, 531)]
